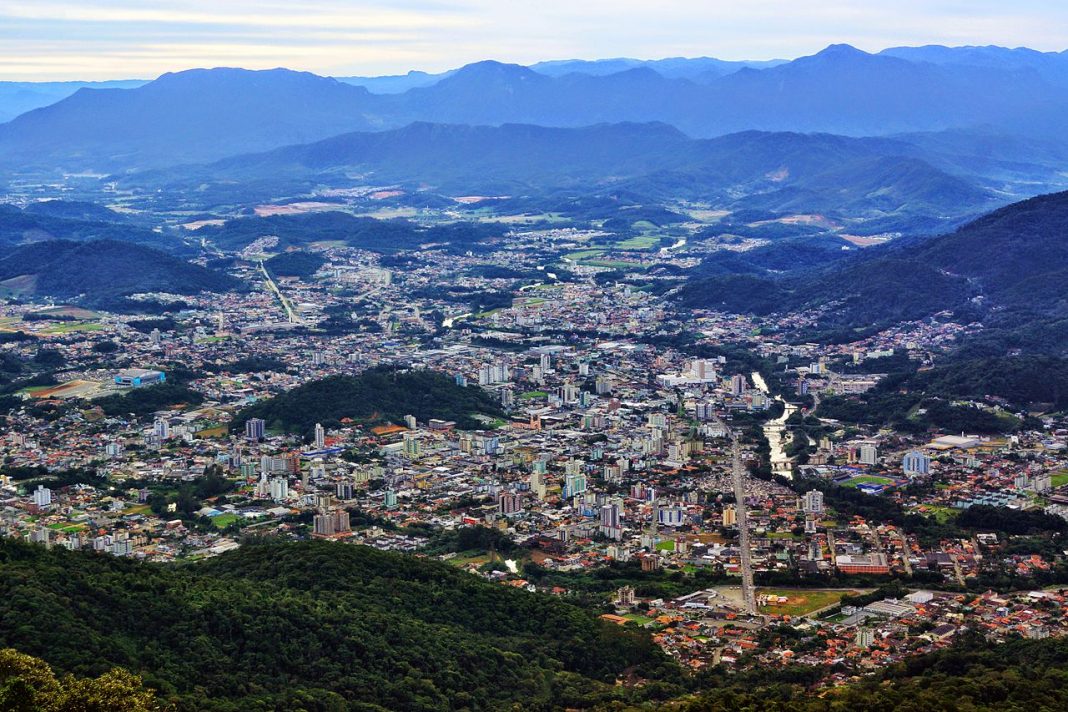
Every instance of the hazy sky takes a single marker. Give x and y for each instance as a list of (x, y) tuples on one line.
[(97, 39)]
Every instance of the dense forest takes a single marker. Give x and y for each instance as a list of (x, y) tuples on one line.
[(101, 272), (324, 626), (295, 263), (313, 625), (378, 395)]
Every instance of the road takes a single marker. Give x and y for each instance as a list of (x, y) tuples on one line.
[(745, 553), (291, 313)]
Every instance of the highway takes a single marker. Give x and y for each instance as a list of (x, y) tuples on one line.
[(291, 313), (745, 552)]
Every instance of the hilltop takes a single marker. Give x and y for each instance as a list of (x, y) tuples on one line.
[(378, 395), (97, 272)]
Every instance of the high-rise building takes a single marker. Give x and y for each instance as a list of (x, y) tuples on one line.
[(537, 482), (738, 385), (255, 429), (868, 454), (673, 516), (612, 521), (813, 502), (509, 503), (574, 484), (279, 489), (320, 436), (916, 463), (730, 516), (42, 496)]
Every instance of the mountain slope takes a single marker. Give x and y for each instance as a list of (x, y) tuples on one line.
[(97, 271), (194, 115), (1011, 264), (314, 625)]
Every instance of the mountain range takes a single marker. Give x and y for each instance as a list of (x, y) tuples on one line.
[(870, 178), (202, 115)]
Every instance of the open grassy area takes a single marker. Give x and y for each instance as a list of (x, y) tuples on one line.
[(802, 601), (667, 545), (1059, 479), (583, 255), (69, 327), (640, 620), (612, 264), (940, 514), (868, 480), (224, 520), (531, 395), (640, 242)]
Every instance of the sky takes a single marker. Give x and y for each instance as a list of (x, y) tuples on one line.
[(116, 39)]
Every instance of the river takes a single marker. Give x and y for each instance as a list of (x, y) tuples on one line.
[(775, 432)]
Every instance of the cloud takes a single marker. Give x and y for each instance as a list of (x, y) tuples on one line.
[(92, 39)]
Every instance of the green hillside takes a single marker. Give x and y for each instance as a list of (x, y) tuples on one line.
[(314, 625), (378, 395), (99, 272)]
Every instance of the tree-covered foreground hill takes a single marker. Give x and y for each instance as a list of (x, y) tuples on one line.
[(316, 626)]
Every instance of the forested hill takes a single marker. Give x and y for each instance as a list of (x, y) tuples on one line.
[(100, 271), (378, 395), (1007, 269), (315, 625)]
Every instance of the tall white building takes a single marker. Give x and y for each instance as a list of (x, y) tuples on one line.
[(320, 436), (42, 496), (813, 502)]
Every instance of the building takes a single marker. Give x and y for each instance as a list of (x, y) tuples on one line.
[(320, 436), (255, 429), (509, 503), (865, 637), (916, 463), (813, 503), (862, 563), (671, 516), (868, 454), (738, 385), (137, 377), (42, 496), (279, 489), (730, 516), (612, 521)]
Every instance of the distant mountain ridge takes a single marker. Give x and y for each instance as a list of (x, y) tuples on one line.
[(203, 115), (786, 172)]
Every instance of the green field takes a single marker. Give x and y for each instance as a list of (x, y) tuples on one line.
[(668, 545), (641, 242), (224, 520), (612, 264), (868, 480), (583, 255), (640, 620), (802, 601), (69, 327), (1059, 479), (531, 395)]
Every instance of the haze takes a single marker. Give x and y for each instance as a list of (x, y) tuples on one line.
[(91, 40)]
